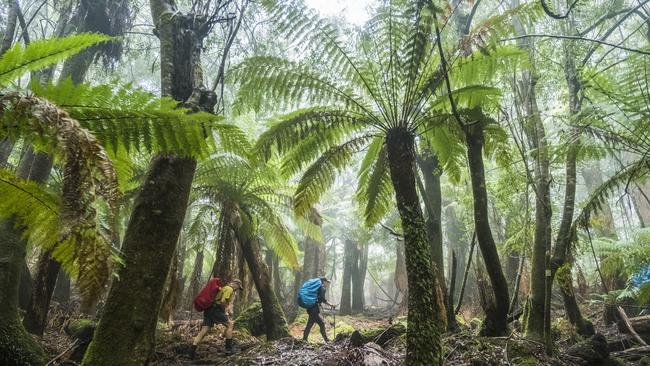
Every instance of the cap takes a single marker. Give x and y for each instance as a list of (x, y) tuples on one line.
[(238, 282)]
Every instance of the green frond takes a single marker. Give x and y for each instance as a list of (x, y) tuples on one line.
[(39, 54), (272, 83), (74, 242), (449, 145), (33, 207), (633, 172), (321, 174), (292, 130), (375, 189), (133, 119), (468, 97)]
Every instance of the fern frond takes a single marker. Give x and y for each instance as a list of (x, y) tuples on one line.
[(321, 174), (633, 172), (375, 190), (39, 54), (292, 129), (34, 208), (133, 119)]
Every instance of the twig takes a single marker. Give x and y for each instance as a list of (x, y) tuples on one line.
[(578, 38), (469, 262), (74, 344)]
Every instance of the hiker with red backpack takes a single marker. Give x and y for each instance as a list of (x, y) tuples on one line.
[(310, 296), (216, 303)]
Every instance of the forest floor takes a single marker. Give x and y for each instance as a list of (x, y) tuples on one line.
[(462, 348)]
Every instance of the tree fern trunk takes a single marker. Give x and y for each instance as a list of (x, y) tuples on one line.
[(357, 279), (496, 313), (426, 315), (275, 322), (125, 334), (195, 280)]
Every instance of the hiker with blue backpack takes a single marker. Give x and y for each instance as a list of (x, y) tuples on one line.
[(310, 297)]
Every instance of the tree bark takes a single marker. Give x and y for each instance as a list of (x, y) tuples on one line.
[(275, 322), (401, 278), (346, 289), (496, 313), (195, 280), (426, 317), (359, 268), (125, 334)]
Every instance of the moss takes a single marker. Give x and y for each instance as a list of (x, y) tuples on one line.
[(343, 328), (17, 348), (81, 329), (301, 318), (251, 319), (645, 361)]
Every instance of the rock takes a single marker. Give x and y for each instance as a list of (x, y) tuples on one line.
[(370, 354), (81, 329), (592, 351), (380, 336)]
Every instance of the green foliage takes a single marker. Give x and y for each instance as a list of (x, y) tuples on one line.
[(123, 117), (257, 194), (19, 60)]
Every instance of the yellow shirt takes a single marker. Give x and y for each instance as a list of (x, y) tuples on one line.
[(223, 295)]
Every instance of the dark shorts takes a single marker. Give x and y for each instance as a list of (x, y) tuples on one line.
[(214, 315)]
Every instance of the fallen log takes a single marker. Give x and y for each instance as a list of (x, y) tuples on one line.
[(629, 327), (640, 324), (633, 354)]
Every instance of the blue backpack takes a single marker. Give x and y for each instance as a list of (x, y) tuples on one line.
[(308, 293)]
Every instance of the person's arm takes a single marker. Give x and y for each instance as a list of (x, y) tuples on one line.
[(231, 303), (321, 298)]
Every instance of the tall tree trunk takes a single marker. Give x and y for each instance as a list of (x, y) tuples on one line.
[(426, 317), (457, 240), (195, 279), (346, 289), (226, 262), (16, 346), (358, 277), (125, 334), (496, 313), (275, 323), (62, 288), (430, 168), (560, 258), (401, 278)]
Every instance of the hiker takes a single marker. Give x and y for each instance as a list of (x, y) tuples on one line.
[(216, 302), (311, 295)]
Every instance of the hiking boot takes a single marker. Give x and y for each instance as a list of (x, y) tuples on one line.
[(231, 347), (193, 352)]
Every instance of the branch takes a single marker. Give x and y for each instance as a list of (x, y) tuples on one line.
[(578, 38), (554, 15), (392, 232)]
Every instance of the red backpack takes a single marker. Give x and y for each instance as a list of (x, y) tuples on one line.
[(205, 298)]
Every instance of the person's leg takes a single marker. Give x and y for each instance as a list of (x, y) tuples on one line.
[(204, 330), (229, 341), (310, 322), (321, 325)]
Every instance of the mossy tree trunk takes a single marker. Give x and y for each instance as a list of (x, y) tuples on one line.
[(125, 334), (426, 314), (275, 323), (496, 313), (16, 346)]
